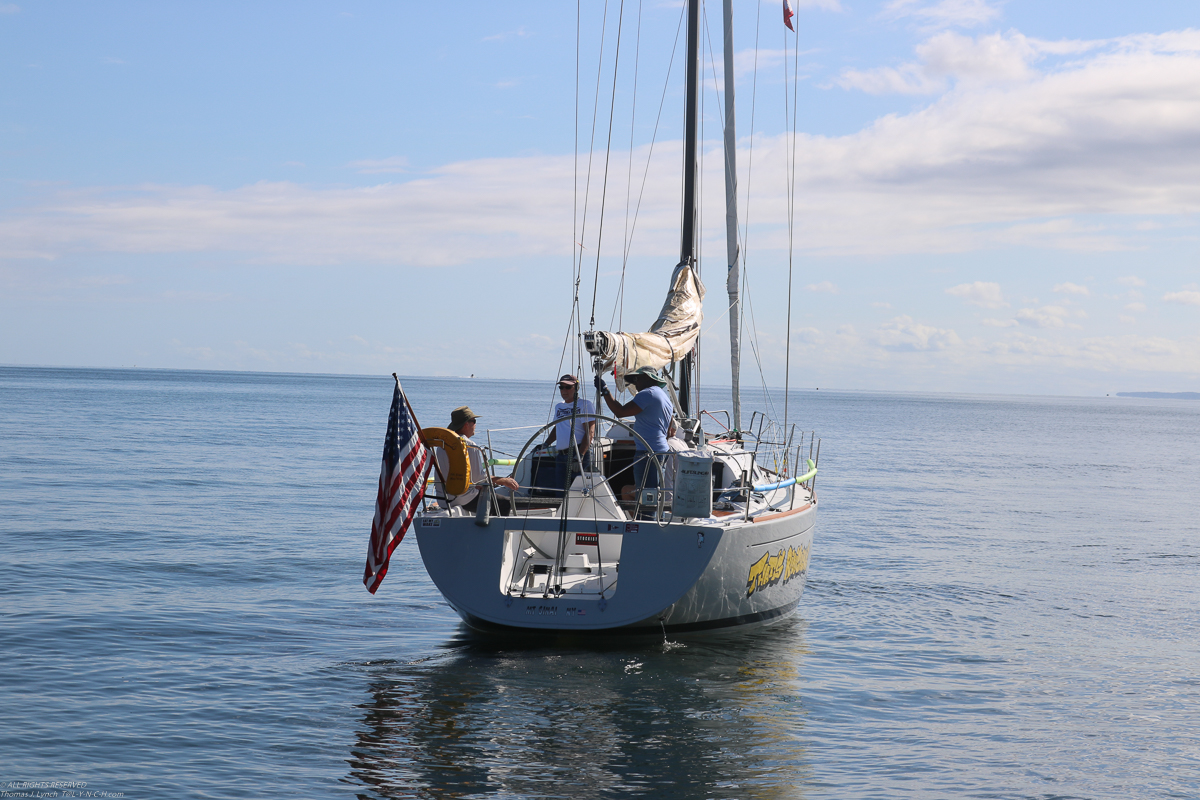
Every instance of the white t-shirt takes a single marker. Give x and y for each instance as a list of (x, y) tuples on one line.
[(562, 413)]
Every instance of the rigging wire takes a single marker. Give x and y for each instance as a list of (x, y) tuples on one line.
[(721, 113), (748, 319), (630, 225), (750, 158), (575, 237), (713, 66), (637, 57), (744, 235), (743, 249), (762, 378), (587, 190), (579, 229), (649, 157), (612, 106), (791, 207)]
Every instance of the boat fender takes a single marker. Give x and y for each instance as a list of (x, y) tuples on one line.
[(458, 477)]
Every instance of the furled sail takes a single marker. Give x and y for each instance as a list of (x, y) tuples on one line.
[(671, 337)]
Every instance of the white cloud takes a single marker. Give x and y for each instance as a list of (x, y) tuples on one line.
[(1131, 280), (1072, 288), (1190, 298), (1136, 307), (993, 59), (1122, 117), (903, 334), (823, 286), (9, 8), (1124, 320), (459, 213), (979, 293), (881, 305), (1010, 359), (905, 79), (745, 62), (808, 336), (1115, 132), (944, 14), (1000, 323), (1044, 317), (390, 164), (1066, 232), (1128, 353)]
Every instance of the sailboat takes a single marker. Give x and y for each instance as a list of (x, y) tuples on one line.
[(726, 543)]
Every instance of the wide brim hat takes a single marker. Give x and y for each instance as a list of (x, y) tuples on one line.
[(460, 417), (649, 372)]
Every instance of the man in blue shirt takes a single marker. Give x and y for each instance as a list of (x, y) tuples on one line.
[(653, 413)]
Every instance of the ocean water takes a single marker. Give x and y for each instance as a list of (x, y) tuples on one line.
[(1002, 603)]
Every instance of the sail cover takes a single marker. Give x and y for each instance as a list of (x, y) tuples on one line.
[(671, 337)]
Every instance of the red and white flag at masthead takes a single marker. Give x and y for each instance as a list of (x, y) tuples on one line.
[(406, 462), (787, 15)]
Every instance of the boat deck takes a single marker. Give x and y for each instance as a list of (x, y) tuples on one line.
[(580, 576)]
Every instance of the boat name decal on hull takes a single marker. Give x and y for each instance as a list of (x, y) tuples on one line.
[(552, 611), (779, 568)]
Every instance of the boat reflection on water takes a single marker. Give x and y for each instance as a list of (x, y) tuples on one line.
[(715, 717)]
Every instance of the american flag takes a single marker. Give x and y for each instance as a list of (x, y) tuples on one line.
[(406, 462)]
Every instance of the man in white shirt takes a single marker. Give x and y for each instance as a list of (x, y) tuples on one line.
[(566, 466), (462, 422)]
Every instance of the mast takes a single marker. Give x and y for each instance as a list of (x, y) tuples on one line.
[(687, 249), (731, 223)]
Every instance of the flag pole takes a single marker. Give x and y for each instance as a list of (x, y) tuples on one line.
[(436, 467)]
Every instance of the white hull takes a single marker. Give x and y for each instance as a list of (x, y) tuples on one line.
[(644, 577)]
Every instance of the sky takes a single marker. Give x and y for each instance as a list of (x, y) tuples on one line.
[(988, 196)]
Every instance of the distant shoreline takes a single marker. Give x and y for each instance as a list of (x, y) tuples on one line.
[(715, 386), (1162, 395)]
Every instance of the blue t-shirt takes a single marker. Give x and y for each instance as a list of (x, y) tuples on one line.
[(654, 419)]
